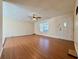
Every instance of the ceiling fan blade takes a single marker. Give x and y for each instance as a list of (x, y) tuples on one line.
[(34, 17), (30, 17), (39, 17)]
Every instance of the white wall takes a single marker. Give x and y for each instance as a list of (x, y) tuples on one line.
[(76, 27), (54, 30), (17, 28), (13, 23), (1, 27)]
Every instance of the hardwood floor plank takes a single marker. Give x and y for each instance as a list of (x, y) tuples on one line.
[(36, 47)]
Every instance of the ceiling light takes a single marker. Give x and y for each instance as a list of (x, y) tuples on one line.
[(34, 19), (65, 24)]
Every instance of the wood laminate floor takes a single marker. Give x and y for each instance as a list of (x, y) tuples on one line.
[(36, 47)]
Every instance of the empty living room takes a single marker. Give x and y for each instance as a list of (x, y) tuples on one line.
[(39, 29)]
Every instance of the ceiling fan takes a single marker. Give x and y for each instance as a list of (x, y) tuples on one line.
[(35, 18)]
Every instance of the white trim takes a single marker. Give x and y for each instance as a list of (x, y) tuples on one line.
[(55, 37), (19, 35), (1, 51)]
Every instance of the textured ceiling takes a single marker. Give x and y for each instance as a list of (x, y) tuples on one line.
[(45, 8)]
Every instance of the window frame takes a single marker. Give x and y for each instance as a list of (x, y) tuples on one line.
[(44, 26)]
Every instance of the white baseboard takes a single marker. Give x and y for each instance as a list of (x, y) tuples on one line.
[(55, 37), (18, 35), (1, 51)]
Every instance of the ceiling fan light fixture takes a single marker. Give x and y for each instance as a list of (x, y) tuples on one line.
[(34, 19)]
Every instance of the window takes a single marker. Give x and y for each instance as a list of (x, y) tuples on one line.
[(44, 27)]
